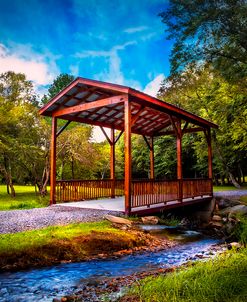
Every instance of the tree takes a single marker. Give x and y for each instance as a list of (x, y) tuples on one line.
[(58, 84), (22, 132), (211, 31), (201, 90)]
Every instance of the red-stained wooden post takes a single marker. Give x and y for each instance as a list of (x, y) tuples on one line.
[(127, 156), (151, 153), (112, 164), (179, 160), (53, 161), (210, 157)]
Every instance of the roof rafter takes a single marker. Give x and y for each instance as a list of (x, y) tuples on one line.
[(91, 105)]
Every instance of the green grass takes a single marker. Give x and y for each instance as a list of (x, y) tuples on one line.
[(25, 198), (228, 188), (23, 241), (222, 279), (63, 243)]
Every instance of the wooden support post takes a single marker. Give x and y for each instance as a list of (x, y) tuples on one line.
[(127, 156), (53, 161), (151, 152), (179, 159), (112, 164), (210, 157)]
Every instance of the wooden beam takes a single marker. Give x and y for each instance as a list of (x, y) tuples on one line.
[(136, 116), (91, 105), (185, 127), (179, 150), (189, 130), (147, 142), (53, 162), (62, 128), (179, 160), (162, 126), (127, 156), (112, 163), (210, 156), (106, 136), (118, 137), (151, 154), (174, 125), (149, 101)]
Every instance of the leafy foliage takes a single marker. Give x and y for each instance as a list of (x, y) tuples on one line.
[(209, 31), (58, 84), (203, 91)]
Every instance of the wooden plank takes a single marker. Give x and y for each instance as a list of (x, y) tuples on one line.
[(189, 130), (62, 128), (151, 155), (127, 157), (112, 163), (136, 116), (210, 156), (149, 101), (118, 137), (106, 135), (91, 105), (53, 161)]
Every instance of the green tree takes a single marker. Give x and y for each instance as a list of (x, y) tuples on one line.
[(201, 90), (22, 132), (58, 84), (211, 31)]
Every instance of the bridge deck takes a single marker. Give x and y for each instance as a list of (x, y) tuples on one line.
[(117, 204)]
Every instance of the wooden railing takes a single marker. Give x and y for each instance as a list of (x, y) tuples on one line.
[(143, 192), (78, 190), (149, 192), (197, 187)]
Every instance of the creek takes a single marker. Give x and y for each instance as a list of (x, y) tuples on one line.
[(44, 284)]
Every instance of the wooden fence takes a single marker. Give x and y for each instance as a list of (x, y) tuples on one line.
[(78, 190), (144, 192), (149, 192)]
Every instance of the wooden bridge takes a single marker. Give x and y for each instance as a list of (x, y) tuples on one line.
[(129, 111)]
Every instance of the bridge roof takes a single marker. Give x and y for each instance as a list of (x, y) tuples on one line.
[(102, 104)]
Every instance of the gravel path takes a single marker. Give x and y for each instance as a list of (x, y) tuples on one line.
[(233, 193), (22, 220)]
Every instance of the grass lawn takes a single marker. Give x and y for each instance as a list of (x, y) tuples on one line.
[(54, 244), (25, 198), (222, 279), (228, 188)]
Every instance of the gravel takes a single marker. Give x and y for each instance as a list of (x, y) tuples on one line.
[(23, 220), (233, 193)]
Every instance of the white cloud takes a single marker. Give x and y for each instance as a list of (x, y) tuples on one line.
[(74, 70), (113, 71), (132, 30), (41, 69), (153, 87)]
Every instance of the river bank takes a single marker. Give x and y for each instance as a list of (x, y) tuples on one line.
[(73, 243)]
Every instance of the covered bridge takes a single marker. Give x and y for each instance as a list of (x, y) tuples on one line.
[(129, 111)]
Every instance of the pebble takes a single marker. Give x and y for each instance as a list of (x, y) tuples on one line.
[(22, 220)]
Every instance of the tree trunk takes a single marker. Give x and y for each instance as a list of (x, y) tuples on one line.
[(229, 174)]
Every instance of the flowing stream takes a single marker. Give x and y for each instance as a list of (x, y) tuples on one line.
[(46, 283)]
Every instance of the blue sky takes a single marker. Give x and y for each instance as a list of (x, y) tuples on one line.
[(117, 41)]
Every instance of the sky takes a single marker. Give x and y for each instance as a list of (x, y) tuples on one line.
[(115, 41)]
